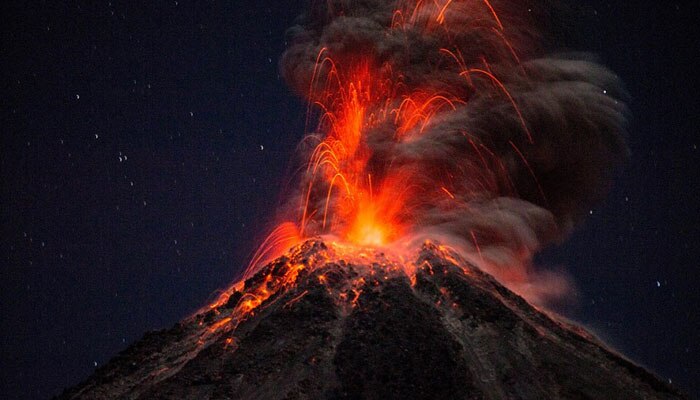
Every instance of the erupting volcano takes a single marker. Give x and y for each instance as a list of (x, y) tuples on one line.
[(450, 121), (446, 145)]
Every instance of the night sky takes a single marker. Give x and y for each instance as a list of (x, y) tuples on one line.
[(145, 147)]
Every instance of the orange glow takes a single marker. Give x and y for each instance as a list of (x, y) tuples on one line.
[(367, 233)]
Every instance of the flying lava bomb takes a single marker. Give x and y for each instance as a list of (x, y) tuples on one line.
[(446, 144)]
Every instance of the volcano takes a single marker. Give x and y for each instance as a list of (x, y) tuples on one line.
[(333, 321)]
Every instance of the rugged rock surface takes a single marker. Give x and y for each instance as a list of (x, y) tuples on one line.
[(331, 326)]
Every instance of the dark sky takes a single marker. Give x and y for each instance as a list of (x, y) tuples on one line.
[(145, 146)]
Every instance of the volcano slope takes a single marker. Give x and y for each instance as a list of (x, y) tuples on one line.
[(325, 322)]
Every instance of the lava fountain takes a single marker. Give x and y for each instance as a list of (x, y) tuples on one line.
[(447, 120)]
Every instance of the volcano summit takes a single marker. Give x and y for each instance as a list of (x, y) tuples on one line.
[(326, 321)]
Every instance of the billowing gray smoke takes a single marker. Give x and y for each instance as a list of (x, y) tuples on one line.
[(533, 142)]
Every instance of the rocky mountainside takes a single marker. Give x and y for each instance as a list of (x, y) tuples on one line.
[(327, 322)]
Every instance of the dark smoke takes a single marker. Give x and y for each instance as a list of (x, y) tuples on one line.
[(515, 194)]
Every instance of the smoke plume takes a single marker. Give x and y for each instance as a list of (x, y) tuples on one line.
[(450, 120)]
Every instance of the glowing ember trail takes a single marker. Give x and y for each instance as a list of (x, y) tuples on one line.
[(438, 120)]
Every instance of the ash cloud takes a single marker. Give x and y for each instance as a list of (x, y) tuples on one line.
[(522, 168)]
